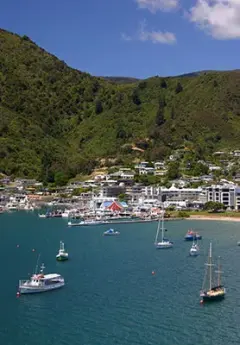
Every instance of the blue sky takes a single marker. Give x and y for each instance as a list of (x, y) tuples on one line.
[(138, 38)]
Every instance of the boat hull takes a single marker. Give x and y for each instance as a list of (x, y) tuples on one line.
[(191, 253), (206, 298), (115, 234), (192, 238), (30, 290), (164, 245), (216, 294), (61, 258)]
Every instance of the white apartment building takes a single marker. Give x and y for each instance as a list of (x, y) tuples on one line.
[(237, 199), (175, 194), (226, 194)]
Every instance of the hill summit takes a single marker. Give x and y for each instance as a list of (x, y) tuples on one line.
[(55, 119)]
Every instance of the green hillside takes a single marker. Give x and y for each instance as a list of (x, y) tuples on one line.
[(55, 120)]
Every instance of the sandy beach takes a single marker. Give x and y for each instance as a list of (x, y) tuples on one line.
[(218, 218)]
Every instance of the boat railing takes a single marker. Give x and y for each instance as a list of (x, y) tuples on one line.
[(22, 282)]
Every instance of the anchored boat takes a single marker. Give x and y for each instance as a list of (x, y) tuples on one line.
[(40, 282), (194, 250), (62, 253), (111, 232), (192, 236), (215, 292), (164, 243)]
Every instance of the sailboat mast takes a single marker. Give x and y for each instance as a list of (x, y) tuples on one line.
[(156, 238), (219, 272), (162, 223), (210, 266)]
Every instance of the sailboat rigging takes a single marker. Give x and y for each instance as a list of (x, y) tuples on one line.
[(214, 292), (164, 243)]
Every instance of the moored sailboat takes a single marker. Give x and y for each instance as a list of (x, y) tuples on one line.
[(214, 292), (62, 254), (194, 250), (164, 243)]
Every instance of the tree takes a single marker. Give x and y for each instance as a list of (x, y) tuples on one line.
[(172, 114), (122, 197), (160, 120), (135, 97), (200, 169), (121, 133), (142, 84), (60, 178), (214, 206), (179, 88), (162, 102), (163, 84), (98, 107), (173, 171), (26, 38)]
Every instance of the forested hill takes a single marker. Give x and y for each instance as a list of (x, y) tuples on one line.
[(54, 119)]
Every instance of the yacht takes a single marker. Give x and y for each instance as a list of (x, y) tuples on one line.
[(213, 291), (164, 243)]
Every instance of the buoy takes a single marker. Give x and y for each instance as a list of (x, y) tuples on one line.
[(201, 302), (18, 294), (153, 272), (33, 250), (17, 245)]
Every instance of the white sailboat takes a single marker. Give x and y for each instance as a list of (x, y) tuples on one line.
[(164, 243), (194, 250), (62, 253)]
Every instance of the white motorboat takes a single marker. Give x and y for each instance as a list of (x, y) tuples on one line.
[(111, 232), (40, 282)]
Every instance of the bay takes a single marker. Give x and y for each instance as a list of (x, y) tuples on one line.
[(111, 296)]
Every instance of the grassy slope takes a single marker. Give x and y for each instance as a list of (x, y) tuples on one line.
[(48, 119)]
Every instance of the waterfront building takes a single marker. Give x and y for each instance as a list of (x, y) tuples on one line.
[(227, 194)]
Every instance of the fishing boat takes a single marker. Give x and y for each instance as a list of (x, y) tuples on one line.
[(215, 292), (192, 236), (62, 254), (164, 243), (111, 232), (40, 282), (194, 250)]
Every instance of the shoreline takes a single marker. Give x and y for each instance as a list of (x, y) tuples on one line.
[(218, 218)]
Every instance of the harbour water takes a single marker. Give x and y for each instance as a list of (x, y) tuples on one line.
[(111, 296)]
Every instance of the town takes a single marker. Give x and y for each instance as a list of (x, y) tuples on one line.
[(141, 189)]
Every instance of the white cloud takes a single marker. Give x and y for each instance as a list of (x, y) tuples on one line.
[(163, 37), (126, 37), (220, 18), (155, 36), (158, 5)]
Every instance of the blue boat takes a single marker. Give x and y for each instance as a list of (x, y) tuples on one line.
[(111, 232), (192, 236)]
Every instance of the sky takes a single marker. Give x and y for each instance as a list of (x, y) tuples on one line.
[(132, 38)]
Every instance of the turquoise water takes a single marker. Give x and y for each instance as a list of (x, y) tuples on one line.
[(111, 296)]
